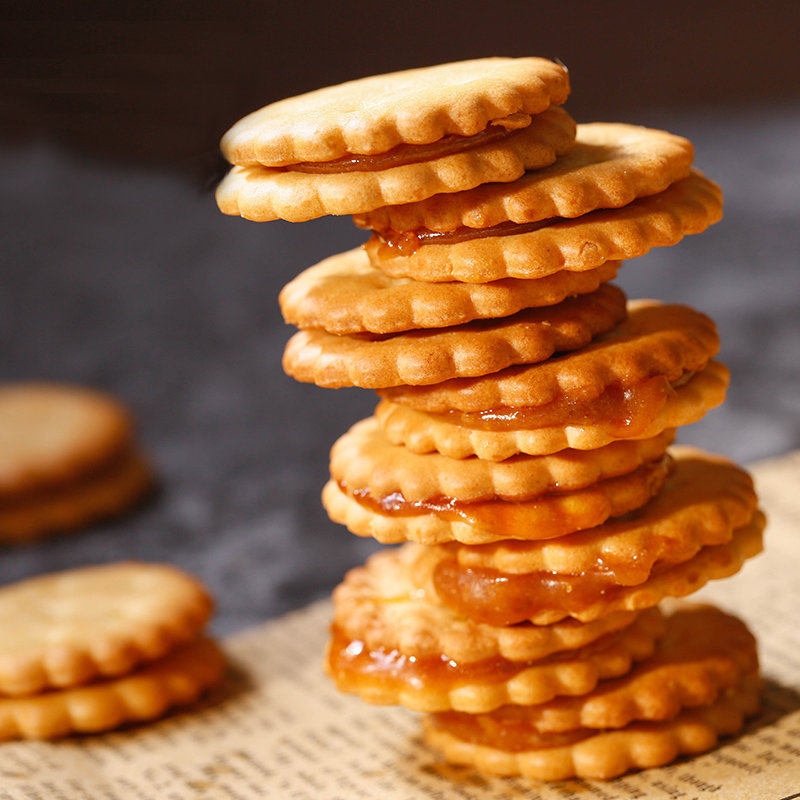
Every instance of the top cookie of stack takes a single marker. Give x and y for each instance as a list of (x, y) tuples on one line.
[(396, 138)]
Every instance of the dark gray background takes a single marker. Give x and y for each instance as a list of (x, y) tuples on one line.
[(119, 272)]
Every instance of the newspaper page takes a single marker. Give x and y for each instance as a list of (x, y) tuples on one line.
[(278, 729)]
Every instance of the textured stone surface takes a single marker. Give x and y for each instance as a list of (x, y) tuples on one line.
[(135, 283)]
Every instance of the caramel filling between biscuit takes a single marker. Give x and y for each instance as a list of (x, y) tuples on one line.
[(352, 660), (626, 411), (498, 598), (404, 154), (546, 516), (507, 732), (392, 243)]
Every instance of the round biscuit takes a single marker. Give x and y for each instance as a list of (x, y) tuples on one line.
[(67, 628), (424, 433), (417, 106), (476, 348), (610, 165), (609, 754), (345, 294), (656, 340), (264, 193), (687, 207), (364, 459)]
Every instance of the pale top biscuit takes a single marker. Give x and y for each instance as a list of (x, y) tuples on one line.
[(70, 627), (374, 114), (59, 508), (346, 294), (476, 348), (608, 754), (425, 433), (390, 520), (364, 458), (656, 341), (265, 193), (379, 676), (52, 433), (379, 604), (687, 207), (702, 653), (176, 679), (610, 165)]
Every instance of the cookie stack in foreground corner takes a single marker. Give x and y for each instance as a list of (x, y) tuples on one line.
[(90, 649), (521, 447)]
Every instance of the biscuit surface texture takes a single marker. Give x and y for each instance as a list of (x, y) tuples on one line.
[(610, 165), (424, 433), (70, 627), (475, 348), (687, 207), (374, 114), (608, 754), (177, 679), (657, 342), (265, 193), (346, 294)]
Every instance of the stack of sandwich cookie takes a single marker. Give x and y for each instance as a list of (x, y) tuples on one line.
[(90, 649), (67, 458), (522, 447)]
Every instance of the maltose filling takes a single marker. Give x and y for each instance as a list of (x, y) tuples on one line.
[(498, 598), (404, 154), (408, 242), (546, 516), (352, 661), (626, 410), (505, 730)]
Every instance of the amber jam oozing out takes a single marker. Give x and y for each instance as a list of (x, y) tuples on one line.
[(391, 243), (541, 517), (352, 661), (404, 154), (500, 598), (626, 411), (504, 731)]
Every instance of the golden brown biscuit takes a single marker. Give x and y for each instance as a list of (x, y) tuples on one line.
[(346, 294), (67, 458), (67, 507), (436, 683), (598, 755), (70, 627), (423, 357), (702, 653), (50, 433), (684, 403), (177, 679), (365, 459), (635, 366), (391, 519), (375, 114), (610, 165), (705, 497), (541, 600), (688, 206), (261, 193), (379, 604)]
